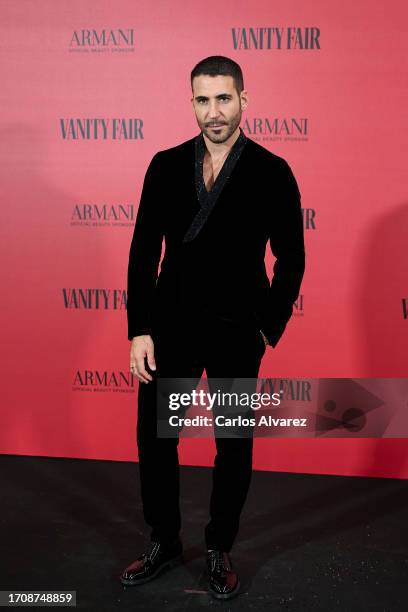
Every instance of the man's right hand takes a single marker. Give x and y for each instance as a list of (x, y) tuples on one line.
[(141, 347)]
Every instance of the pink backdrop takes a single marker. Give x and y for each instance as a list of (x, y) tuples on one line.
[(338, 115)]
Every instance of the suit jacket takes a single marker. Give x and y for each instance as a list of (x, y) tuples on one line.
[(215, 242)]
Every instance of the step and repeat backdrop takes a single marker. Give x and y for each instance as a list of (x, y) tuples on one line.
[(90, 91)]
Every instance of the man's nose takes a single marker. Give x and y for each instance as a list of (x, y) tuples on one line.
[(213, 110)]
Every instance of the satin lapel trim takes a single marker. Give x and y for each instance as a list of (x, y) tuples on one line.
[(208, 199)]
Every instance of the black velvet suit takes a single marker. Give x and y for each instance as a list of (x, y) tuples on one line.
[(206, 308), (214, 252)]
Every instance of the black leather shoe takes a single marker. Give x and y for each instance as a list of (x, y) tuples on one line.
[(223, 581), (151, 563)]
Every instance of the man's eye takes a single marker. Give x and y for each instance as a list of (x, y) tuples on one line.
[(204, 101)]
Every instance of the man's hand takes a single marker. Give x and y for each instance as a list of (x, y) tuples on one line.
[(141, 347)]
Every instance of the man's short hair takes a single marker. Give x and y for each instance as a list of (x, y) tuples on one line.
[(215, 65)]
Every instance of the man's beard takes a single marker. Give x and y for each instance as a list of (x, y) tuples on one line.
[(231, 127)]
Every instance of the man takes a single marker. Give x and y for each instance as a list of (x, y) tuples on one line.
[(216, 199)]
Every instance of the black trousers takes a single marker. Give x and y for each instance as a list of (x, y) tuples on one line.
[(184, 349)]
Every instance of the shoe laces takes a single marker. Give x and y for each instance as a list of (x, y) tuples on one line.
[(219, 561), (152, 551)]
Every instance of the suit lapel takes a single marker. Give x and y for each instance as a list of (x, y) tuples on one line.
[(208, 199)]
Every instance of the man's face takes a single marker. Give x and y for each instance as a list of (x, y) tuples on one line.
[(217, 106)]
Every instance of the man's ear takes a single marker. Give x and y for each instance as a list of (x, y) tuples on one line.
[(244, 99)]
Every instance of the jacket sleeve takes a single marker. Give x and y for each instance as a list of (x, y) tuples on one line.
[(144, 255), (286, 241)]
